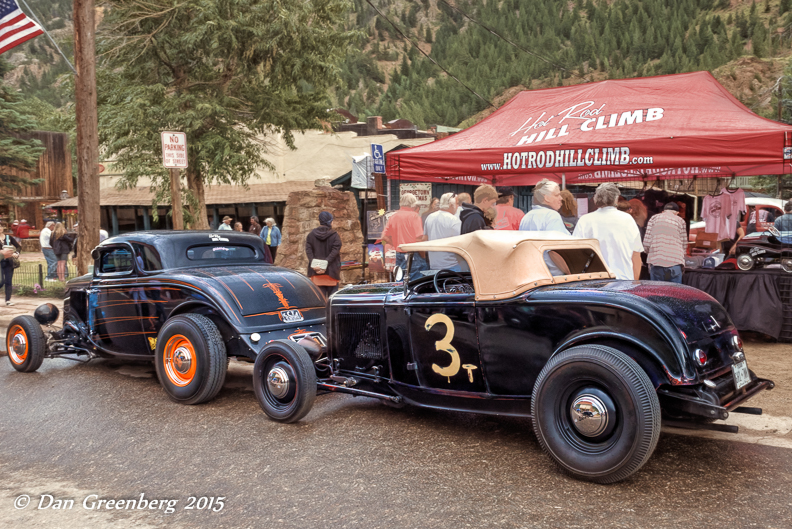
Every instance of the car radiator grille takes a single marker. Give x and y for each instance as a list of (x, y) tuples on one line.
[(360, 334)]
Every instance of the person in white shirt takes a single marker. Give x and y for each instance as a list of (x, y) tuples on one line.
[(439, 225), (616, 231), (544, 216), (460, 199), (49, 254)]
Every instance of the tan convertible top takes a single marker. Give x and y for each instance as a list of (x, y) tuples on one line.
[(506, 263)]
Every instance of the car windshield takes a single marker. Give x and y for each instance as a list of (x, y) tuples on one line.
[(212, 252)]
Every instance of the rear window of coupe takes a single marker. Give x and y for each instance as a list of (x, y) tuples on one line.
[(211, 252)]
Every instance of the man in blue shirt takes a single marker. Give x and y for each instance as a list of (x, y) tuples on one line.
[(544, 216), (784, 222)]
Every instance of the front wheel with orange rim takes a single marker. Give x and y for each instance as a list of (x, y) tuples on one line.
[(26, 344), (190, 359)]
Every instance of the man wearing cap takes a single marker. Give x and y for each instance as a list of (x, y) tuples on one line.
[(14, 228), (226, 224), (508, 217), (665, 242)]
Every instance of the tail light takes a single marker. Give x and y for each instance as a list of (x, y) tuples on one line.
[(701, 356), (737, 341)]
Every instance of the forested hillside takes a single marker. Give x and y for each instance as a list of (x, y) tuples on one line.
[(553, 42), (557, 41)]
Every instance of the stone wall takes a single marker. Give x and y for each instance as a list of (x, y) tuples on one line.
[(302, 216)]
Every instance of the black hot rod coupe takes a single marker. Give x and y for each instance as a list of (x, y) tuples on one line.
[(187, 300), (760, 249), (596, 363)]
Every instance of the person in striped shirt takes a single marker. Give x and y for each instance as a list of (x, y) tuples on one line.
[(665, 242)]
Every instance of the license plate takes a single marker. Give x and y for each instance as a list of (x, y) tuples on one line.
[(290, 316), (741, 376)]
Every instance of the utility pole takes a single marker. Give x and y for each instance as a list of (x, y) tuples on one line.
[(176, 201), (87, 132)]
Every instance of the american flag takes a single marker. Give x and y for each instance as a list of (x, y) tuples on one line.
[(15, 26)]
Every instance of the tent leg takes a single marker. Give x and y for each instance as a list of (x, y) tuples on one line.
[(563, 181)]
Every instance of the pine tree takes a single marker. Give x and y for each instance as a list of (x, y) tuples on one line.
[(759, 40)]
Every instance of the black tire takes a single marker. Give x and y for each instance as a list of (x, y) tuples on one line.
[(603, 449), (191, 359), (26, 344), (287, 365)]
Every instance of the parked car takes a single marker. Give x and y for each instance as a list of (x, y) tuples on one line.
[(763, 248), (595, 362), (186, 300)]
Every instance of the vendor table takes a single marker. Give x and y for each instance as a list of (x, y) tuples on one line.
[(756, 300)]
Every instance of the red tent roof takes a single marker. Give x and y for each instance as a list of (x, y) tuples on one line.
[(668, 127)]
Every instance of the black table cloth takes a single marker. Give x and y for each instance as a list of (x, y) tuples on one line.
[(752, 298)]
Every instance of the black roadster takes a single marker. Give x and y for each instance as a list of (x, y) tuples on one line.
[(596, 363), (760, 249), (186, 300)]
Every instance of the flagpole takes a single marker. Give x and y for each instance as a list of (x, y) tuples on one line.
[(50, 36)]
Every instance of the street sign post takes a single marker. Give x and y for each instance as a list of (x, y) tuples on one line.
[(378, 157), (174, 157), (174, 150)]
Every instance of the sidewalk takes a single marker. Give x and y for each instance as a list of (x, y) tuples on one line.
[(24, 305)]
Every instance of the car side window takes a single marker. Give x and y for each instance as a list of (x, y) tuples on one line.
[(116, 260), (574, 261), (148, 257)]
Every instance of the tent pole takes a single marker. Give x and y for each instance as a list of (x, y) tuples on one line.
[(563, 181)]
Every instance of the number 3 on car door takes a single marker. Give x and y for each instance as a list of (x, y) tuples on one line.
[(445, 345)]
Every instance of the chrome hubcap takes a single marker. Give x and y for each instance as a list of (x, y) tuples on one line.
[(745, 262), (589, 415), (278, 382), (19, 344), (182, 360)]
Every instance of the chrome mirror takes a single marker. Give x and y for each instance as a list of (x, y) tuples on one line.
[(398, 273)]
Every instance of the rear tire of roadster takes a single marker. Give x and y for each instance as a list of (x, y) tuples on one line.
[(284, 379), (191, 359), (26, 344), (596, 413)]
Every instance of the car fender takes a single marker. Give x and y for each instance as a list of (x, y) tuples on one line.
[(651, 361)]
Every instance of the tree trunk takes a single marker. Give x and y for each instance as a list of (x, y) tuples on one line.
[(196, 185), (176, 201), (87, 133)]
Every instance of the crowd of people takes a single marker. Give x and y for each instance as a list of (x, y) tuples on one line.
[(664, 238)]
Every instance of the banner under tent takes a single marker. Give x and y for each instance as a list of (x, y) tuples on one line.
[(669, 127)]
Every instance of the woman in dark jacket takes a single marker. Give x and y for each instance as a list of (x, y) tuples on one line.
[(324, 244), (62, 243), (7, 265)]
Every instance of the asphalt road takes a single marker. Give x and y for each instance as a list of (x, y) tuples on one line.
[(106, 431)]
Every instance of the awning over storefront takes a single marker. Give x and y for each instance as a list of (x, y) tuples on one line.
[(667, 127)]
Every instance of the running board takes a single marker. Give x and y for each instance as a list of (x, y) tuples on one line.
[(748, 410), (727, 428)]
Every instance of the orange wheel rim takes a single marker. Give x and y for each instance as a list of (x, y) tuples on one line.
[(17, 344), (179, 360)]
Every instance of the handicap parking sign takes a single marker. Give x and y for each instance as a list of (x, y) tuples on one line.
[(378, 156)]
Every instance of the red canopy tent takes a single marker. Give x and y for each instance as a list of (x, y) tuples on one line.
[(667, 127)]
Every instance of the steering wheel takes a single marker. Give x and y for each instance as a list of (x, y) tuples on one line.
[(451, 273), (774, 231)]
